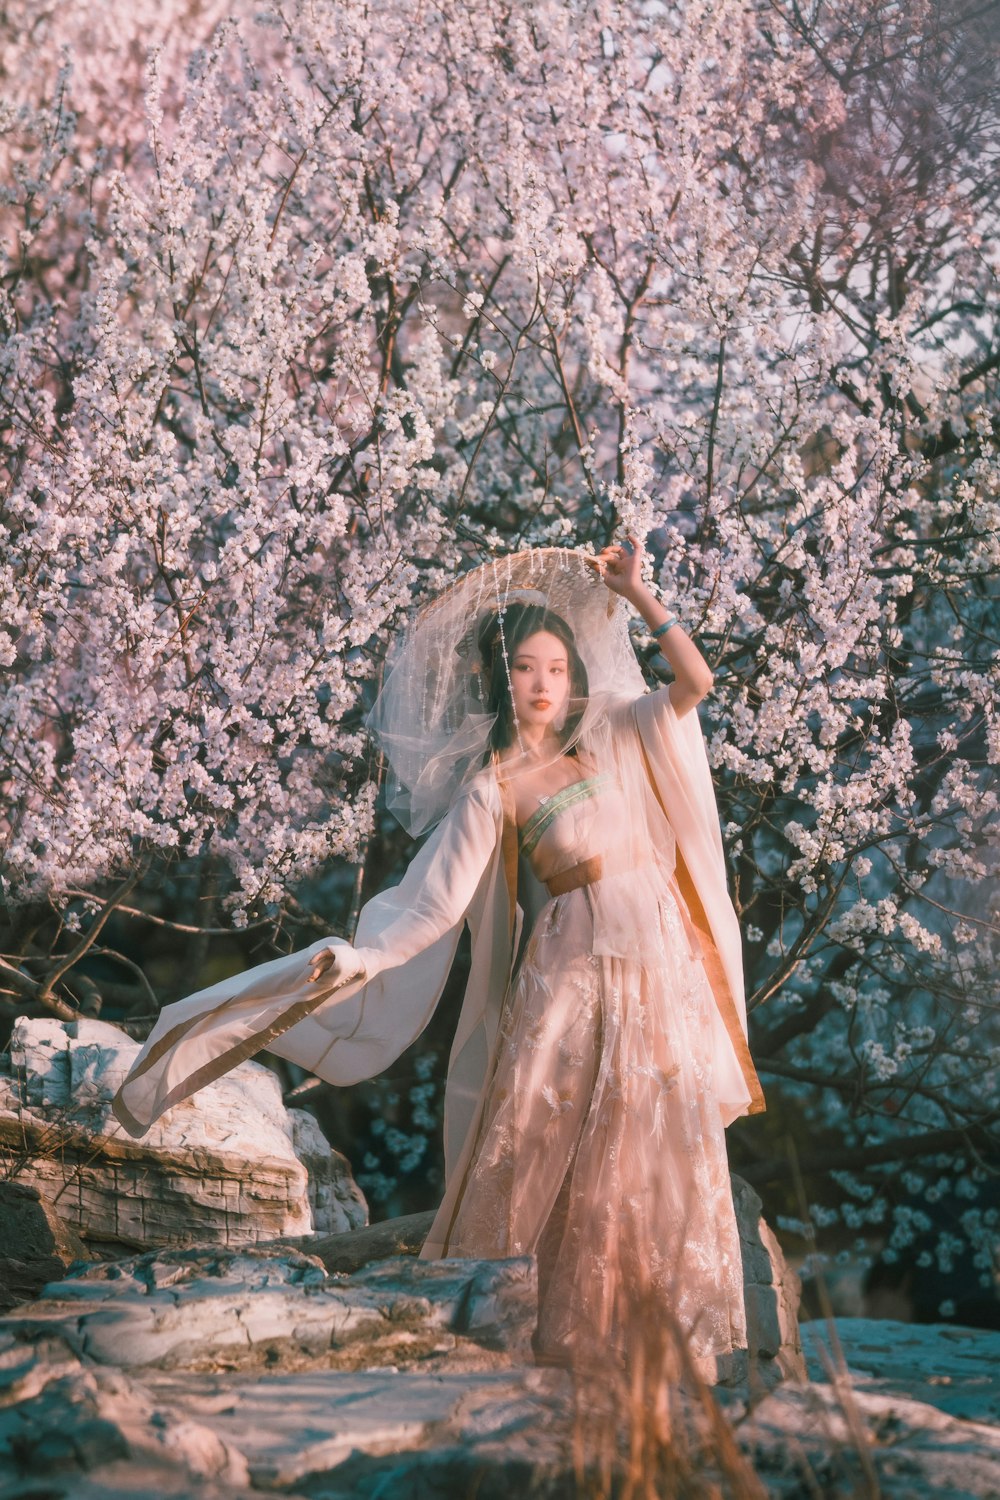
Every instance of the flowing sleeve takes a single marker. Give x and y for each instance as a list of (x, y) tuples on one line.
[(354, 1021), (676, 761), (677, 745), (435, 893)]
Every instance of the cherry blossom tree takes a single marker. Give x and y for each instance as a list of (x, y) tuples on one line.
[(307, 306)]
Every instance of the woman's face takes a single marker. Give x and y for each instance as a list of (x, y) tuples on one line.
[(539, 680)]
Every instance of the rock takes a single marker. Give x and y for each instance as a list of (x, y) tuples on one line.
[(350, 1251), (844, 1439), (954, 1369), (68, 1417), (253, 1308), (232, 1372), (889, 1409), (391, 1433), (35, 1245), (494, 1302), (771, 1292), (433, 1357), (220, 1168), (337, 1203), (771, 1287)]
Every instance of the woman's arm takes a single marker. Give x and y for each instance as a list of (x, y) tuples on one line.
[(621, 571)]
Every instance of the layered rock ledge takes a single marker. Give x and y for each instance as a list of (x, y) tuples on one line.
[(224, 1374), (265, 1340), (231, 1167)]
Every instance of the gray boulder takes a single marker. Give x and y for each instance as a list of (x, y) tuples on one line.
[(771, 1292), (219, 1374), (35, 1245), (229, 1167)]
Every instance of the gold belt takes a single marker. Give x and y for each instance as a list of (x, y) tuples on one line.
[(585, 873)]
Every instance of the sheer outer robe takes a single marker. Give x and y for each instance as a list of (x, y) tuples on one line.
[(406, 941), (352, 1025), (674, 753)]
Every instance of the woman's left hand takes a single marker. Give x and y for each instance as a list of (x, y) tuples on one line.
[(320, 964), (620, 569)]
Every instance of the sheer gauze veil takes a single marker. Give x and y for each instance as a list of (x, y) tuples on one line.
[(430, 717)]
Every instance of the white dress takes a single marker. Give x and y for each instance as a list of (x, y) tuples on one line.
[(600, 1145)]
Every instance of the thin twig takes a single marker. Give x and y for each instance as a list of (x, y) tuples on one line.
[(89, 938)]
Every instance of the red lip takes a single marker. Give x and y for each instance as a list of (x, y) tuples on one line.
[(541, 703)]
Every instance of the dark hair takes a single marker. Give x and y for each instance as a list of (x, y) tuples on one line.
[(520, 621)]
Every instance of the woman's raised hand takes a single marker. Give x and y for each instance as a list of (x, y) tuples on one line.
[(620, 567)]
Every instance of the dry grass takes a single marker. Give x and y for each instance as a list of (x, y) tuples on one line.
[(646, 1422)]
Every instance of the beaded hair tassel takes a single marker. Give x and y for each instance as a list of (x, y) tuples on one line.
[(501, 610)]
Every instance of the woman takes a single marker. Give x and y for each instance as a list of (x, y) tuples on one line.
[(601, 1046)]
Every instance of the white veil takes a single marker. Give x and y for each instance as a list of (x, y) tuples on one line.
[(430, 717)]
